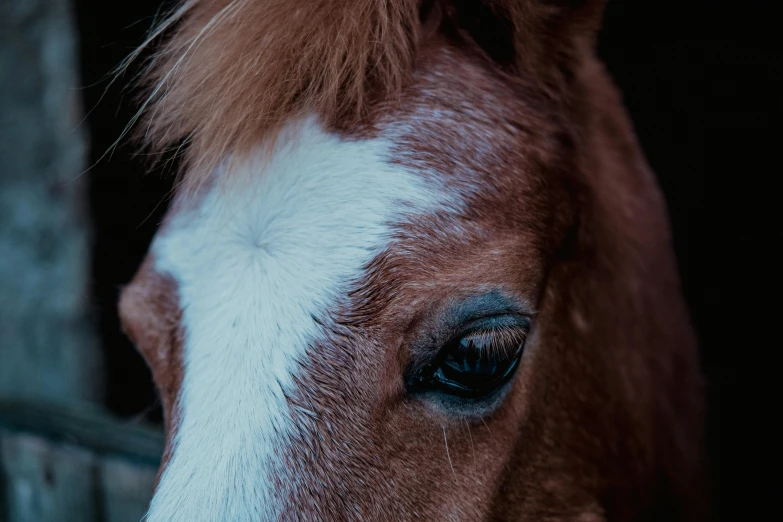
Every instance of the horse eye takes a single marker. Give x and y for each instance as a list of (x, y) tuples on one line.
[(475, 365)]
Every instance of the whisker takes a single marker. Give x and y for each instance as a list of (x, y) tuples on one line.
[(446, 440), (486, 425), (470, 436)]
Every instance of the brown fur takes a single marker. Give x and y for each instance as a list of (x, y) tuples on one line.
[(597, 427), (151, 315), (604, 419), (233, 71)]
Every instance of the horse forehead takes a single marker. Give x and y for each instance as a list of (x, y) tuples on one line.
[(259, 267), (315, 199)]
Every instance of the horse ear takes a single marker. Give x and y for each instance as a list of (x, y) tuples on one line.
[(518, 33)]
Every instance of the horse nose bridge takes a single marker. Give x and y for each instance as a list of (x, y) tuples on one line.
[(223, 465)]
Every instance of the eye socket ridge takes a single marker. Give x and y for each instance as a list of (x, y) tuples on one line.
[(477, 361)]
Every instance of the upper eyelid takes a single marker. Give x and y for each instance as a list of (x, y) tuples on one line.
[(495, 322), (457, 315), (429, 349)]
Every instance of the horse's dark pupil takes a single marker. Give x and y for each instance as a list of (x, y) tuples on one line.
[(472, 370)]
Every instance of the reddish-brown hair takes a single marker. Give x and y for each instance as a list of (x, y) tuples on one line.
[(606, 423), (232, 71)]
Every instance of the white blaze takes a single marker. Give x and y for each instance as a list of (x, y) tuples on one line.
[(255, 264)]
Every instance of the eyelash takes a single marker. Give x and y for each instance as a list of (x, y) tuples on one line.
[(500, 339)]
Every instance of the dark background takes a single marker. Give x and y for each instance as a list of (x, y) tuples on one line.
[(703, 85)]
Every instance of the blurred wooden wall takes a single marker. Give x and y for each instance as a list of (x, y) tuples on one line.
[(62, 457), (48, 346), (61, 464)]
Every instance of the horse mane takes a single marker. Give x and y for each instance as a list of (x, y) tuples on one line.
[(231, 72)]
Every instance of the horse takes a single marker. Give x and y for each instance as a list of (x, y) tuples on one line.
[(416, 268)]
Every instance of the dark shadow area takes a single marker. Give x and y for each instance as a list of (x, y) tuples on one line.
[(702, 83), (128, 199)]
